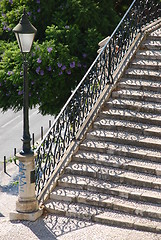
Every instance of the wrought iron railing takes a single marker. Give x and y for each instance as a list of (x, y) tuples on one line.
[(83, 99)]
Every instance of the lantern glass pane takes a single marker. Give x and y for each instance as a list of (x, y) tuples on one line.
[(25, 41)]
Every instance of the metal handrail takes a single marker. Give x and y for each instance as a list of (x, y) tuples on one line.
[(82, 100)]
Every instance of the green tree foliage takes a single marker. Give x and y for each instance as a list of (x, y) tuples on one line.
[(66, 44), (121, 6)]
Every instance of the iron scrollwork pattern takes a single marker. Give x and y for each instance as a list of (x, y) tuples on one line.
[(82, 100)]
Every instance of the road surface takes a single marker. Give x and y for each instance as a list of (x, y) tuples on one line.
[(11, 130)]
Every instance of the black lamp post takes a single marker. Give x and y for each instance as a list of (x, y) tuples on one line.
[(25, 33)]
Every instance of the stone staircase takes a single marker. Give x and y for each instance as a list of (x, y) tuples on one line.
[(115, 176)]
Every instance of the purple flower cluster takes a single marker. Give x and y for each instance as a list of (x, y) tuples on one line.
[(3, 15), (39, 60), (29, 13), (10, 1), (20, 92), (72, 65), (33, 54), (59, 64), (6, 27), (39, 71), (69, 72), (37, 48), (63, 67), (49, 49), (10, 73), (84, 55), (49, 68)]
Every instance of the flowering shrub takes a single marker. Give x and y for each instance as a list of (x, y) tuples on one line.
[(39, 13), (51, 76), (66, 44), (10, 77)]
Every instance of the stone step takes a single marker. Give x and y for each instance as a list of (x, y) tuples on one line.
[(155, 35), (150, 44), (122, 162), (103, 215), (141, 106), (131, 115), (140, 84), (114, 174), (137, 95), (121, 150), (110, 188), (146, 64), (124, 137), (142, 209), (149, 54), (143, 74), (131, 127)]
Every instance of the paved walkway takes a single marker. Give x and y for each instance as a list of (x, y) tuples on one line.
[(53, 227)]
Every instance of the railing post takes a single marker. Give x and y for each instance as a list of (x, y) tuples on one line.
[(140, 7), (15, 156), (110, 78), (33, 140), (109, 61), (5, 164), (42, 133), (49, 123)]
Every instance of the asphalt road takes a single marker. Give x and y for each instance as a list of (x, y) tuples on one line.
[(11, 130)]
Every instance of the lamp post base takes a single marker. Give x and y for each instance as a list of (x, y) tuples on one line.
[(27, 205), (33, 216)]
